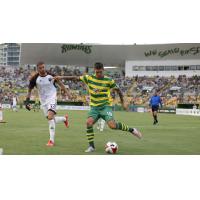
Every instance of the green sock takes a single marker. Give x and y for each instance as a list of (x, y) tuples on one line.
[(90, 136), (123, 127)]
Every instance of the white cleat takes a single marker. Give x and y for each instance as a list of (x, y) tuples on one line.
[(137, 133), (89, 149)]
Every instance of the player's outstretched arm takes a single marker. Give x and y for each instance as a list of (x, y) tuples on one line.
[(62, 87), (161, 105), (121, 98)]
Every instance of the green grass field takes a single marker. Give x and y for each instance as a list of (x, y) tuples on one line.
[(26, 133)]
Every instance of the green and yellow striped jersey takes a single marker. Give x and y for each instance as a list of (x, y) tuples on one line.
[(99, 89)]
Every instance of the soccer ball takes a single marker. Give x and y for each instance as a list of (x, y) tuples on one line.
[(111, 147)]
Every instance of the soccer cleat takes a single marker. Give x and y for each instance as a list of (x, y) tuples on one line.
[(137, 133), (90, 149), (67, 121), (50, 143)]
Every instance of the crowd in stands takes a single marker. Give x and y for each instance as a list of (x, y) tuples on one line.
[(137, 90)]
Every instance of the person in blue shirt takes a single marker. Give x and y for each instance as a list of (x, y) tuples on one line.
[(154, 103)]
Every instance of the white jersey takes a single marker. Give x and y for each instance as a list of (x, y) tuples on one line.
[(14, 101), (46, 88)]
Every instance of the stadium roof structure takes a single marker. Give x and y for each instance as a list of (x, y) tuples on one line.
[(110, 55)]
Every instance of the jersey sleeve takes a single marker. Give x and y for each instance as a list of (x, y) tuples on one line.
[(84, 78), (32, 82), (53, 75), (113, 84)]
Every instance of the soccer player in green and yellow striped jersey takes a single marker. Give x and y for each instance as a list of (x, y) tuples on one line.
[(99, 87)]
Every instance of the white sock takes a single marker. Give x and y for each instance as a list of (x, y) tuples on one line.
[(102, 124), (52, 128), (60, 119), (1, 115)]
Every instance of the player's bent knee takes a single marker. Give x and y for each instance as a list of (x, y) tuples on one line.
[(90, 122), (112, 125), (50, 117)]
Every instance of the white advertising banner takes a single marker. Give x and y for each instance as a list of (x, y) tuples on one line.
[(61, 107), (8, 106), (192, 112)]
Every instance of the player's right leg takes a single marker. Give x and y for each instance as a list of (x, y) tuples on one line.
[(52, 127), (64, 119), (90, 135), (156, 117), (93, 116), (154, 113)]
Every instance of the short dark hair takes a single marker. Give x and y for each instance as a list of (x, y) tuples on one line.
[(40, 63), (98, 65)]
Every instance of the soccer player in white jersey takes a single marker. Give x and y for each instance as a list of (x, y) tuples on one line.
[(1, 110), (14, 103), (46, 86)]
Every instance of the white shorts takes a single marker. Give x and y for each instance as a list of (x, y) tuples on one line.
[(50, 106), (14, 105)]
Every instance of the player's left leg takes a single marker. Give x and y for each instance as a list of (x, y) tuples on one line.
[(64, 119), (108, 116), (156, 117), (58, 119), (154, 114)]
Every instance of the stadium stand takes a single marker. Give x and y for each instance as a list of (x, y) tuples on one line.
[(137, 90)]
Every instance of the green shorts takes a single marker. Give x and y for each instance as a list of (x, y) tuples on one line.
[(104, 112)]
